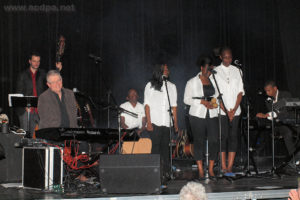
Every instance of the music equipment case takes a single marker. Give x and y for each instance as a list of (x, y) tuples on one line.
[(42, 167)]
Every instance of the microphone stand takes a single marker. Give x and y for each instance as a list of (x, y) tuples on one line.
[(220, 99), (109, 93), (171, 128), (248, 171), (273, 170), (120, 111)]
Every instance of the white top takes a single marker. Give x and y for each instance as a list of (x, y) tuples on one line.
[(158, 103), (130, 121), (230, 84), (194, 88)]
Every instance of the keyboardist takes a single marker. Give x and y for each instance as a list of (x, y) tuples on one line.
[(131, 122), (57, 105), (57, 108), (275, 95)]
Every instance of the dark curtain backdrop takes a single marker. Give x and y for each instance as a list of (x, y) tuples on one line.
[(131, 36), (289, 15)]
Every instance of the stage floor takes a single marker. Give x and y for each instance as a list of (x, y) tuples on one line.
[(262, 186)]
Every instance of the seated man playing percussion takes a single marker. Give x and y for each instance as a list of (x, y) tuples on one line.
[(130, 122), (57, 105), (279, 114)]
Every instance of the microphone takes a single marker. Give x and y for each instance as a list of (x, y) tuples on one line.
[(96, 58), (259, 92), (75, 90), (211, 70), (237, 63)]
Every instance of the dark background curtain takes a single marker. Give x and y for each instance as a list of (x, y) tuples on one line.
[(289, 15), (131, 36)]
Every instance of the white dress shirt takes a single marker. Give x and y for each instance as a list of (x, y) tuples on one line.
[(158, 103), (130, 121), (230, 84), (194, 88)]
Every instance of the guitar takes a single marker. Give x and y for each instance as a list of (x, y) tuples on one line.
[(60, 49), (183, 147)]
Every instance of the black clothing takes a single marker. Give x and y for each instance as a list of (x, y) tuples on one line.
[(205, 129), (202, 129), (24, 84), (229, 137), (65, 122), (25, 87), (282, 114), (160, 138), (208, 90)]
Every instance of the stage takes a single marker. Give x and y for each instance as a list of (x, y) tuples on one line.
[(261, 186)]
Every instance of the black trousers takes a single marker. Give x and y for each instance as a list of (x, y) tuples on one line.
[(160, 138), (203, 128), (287, 135), (229, 131)]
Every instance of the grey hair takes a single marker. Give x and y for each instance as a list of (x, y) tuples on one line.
[(193, 191), (53, 73)]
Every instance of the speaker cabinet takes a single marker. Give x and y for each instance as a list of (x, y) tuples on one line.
[(11, 165), (42, 167), (135, 173)]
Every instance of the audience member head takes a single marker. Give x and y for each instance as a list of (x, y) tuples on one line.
[(193, 191)]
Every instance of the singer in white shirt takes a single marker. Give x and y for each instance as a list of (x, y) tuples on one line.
[(127, 120), (157, 113), (232, 89), (203, 115)]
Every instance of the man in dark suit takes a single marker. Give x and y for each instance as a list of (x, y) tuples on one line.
[(31, 82), (57, 105), (279, 114)]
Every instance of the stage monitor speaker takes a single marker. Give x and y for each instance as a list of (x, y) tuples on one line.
[(42, 167), (135, 173)]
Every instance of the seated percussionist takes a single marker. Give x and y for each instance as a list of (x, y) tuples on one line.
[(57, 105), (281, 114), (130, 122)]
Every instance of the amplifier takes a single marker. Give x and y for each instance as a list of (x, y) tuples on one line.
[(42, 167), (133, 173)]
